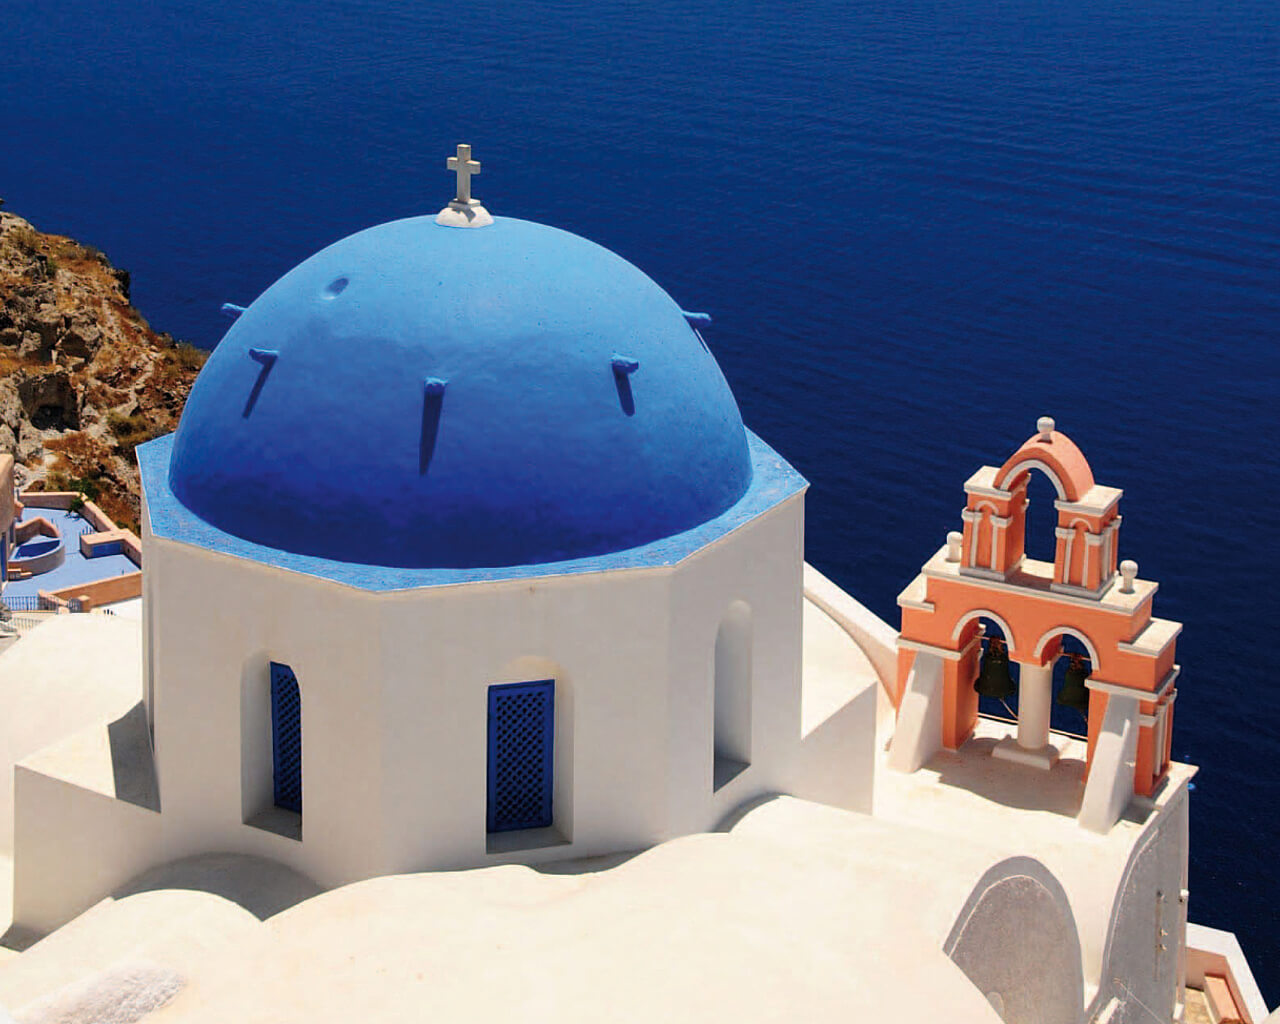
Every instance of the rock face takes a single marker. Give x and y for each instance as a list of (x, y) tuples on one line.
[(83, 378)]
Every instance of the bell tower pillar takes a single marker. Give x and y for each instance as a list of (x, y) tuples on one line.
[(1035, 701)]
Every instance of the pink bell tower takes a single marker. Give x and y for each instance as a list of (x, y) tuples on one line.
[(984, 572)]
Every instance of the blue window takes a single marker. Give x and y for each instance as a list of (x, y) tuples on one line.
[(286, 737), (521, 726)]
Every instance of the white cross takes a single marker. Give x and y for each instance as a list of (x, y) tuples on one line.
[(464, 167)]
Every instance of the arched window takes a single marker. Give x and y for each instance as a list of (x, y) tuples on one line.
[(286, 738), (1041, 517), (521, 755), (732, 728)]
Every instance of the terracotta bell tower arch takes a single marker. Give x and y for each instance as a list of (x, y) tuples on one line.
[(983, 572)]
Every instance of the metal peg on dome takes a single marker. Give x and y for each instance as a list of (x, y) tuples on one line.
[(623, 368), (463, 211), (265, 358), (1045, 426)]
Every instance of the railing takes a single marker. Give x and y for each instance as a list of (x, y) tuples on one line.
[(27, 603), (1014, 722)]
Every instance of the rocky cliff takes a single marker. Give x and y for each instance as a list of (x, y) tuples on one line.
[(83, 378)]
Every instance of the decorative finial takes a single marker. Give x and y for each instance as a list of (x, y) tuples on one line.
[(954, 541), (1045, 425), (463, 211), (1128, 573)]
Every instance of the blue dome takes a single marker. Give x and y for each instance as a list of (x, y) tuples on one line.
[(426, 396)]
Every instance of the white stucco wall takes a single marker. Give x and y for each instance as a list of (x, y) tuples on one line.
[(74, 847), (762, 571), (96, 680), (1143, 958), (394, 691), (1016, 940)]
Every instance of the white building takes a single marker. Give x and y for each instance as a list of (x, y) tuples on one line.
[(462, 557), (461, 554)]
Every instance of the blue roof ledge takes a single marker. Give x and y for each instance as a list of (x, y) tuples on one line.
[(773, 481)]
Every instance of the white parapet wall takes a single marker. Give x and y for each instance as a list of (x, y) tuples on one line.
[(1211, 952), (878, 639)]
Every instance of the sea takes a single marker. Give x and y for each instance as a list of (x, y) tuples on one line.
[(918, 225)]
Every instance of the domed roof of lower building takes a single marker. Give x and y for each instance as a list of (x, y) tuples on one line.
[(418, 395)]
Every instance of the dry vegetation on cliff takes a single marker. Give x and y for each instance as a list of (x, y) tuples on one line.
[(83, 379)]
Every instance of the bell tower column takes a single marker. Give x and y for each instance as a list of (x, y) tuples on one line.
[(1035, 691), (1035, 699)]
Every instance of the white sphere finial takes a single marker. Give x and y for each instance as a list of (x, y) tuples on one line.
[(954, 540), (1045, 425), (1128, 573)]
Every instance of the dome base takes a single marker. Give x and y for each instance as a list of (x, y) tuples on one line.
[(464, 215)]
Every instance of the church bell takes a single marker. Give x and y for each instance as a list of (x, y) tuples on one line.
[(994, 679), (1074, 694)]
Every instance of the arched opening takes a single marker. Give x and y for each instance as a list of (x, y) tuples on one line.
[(521, 755), (1041, 542), (732, 695), (529, 756), (1004, 709), (286, 738), (271, 747), (1061, 646)]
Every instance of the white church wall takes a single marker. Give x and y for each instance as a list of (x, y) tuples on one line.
[(758, 566), (220, 623), (394, 691), (601, 637), (1144, 931)]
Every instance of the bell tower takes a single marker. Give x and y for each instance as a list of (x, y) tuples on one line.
[(1124, 683)]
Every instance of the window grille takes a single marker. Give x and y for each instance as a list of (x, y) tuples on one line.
[(286, 737), (521, 724)]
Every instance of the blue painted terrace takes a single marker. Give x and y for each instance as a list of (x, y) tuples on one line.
[(75, 568)]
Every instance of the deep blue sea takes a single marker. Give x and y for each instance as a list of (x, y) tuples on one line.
[(919, 225)]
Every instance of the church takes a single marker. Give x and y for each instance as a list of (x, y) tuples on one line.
[(477, 627)]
